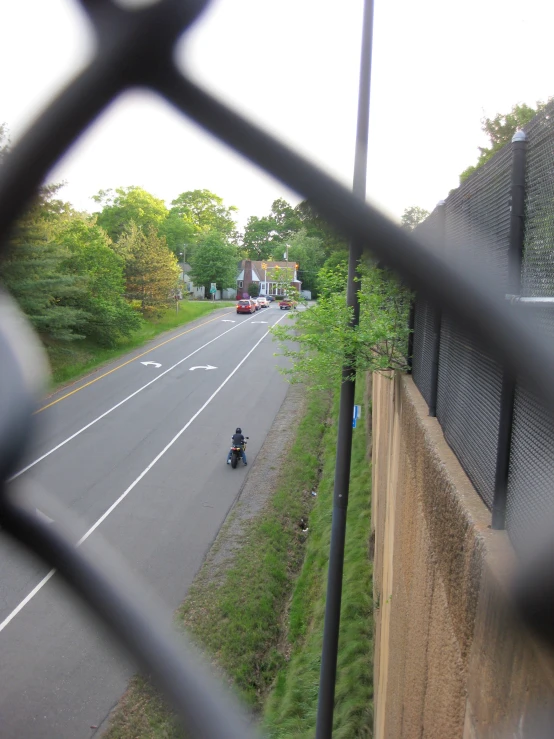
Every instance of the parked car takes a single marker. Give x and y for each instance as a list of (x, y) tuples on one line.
[(287, 303), (271, 298), (263, 301), (246, 306)]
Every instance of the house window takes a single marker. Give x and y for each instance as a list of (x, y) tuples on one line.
[(239, 283)]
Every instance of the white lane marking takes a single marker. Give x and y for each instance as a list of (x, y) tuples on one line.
[(156, 364), (44, 517), (227, 320), (123, 495), (259, 321), (204, 366), (121, 402), (25, 600)]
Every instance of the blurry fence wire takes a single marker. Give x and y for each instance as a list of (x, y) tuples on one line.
[(468, 382), (135, 49)]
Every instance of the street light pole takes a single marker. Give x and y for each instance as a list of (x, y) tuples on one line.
[(329, 652)]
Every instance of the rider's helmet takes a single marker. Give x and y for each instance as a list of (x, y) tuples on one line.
[(238, 431)]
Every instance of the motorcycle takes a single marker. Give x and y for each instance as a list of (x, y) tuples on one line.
[(236, 453)]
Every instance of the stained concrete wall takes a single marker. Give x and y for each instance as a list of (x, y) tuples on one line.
[(451, 657)]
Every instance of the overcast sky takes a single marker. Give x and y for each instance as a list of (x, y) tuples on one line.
[(292, 65)]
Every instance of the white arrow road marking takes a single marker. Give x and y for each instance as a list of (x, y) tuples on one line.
[(156, 364), (258, 321), (227, 320), (121, 402), (123, 495), (205, 366)]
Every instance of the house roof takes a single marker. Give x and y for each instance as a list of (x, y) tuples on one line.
[(258, 271), (257, 265)]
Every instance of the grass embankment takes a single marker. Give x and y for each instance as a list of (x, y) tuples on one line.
[(292, 706), (69, 360), (248, 623)]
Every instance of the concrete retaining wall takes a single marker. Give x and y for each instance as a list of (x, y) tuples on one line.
[(451, 657)]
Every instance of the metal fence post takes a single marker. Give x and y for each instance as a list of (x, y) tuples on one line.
[(411, 327), (437, 316), (507, 393)]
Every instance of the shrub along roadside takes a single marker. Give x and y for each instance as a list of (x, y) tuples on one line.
[(291, 707), (69, 360)]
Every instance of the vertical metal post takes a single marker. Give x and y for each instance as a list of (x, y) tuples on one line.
[(437, 317), (411, 328), (326, 699), (507, 393)]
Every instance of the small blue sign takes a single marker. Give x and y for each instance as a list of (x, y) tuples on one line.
[(356, 415)]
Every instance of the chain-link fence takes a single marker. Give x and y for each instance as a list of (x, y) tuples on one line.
[(472, 392), (531, 474)]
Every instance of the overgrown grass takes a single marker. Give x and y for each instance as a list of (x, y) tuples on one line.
[(291, 708), (69, 360), (238, 618)]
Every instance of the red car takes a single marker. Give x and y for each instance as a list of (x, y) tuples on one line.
[(287, 304), (246, 306)]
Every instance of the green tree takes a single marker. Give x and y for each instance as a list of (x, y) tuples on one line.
[(412, 216), (196, 213), (180, 235), (34, 272), (307, 252), (151, 270), (336, 259), (321, 338), (254, 289), (214, 260), (316, 226), (500, 131), (268, 236), (126, 205), (91, 257)]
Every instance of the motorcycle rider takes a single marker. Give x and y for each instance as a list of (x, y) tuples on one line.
[(238, 440)]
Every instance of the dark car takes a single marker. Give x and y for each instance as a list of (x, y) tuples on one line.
[(246, 306), (271, 298)]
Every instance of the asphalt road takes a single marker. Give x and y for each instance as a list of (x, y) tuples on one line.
[(59, 674)]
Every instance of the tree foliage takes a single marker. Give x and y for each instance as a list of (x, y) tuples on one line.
[(91, 257), (320, 339), (266, 238), (151, 270), (193, 215), (500, 131), (214, 260), (413, 216), (307, 252), (34, 273), (124, 205)]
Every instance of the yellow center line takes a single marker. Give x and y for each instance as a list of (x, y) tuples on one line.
[(82, 387)]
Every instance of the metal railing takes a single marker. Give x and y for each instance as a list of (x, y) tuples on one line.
[(135, 49)]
